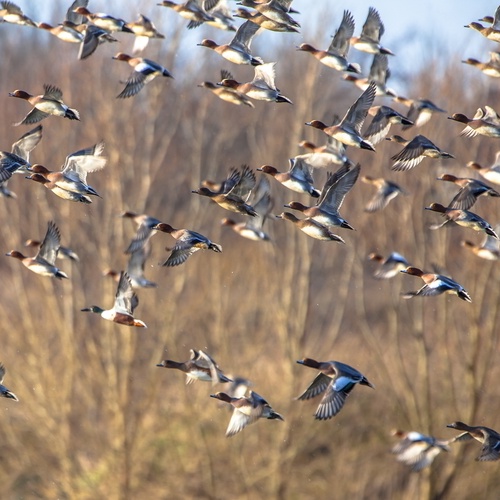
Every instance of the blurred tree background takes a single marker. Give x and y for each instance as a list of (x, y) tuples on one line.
[(98, 419)]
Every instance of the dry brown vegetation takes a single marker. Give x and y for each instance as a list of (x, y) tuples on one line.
[(97, 419)]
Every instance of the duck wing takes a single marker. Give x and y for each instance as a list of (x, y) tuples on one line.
[(265, 75), (34, 116), (373, 27), (334, 197), (126, 299), (356, 114), (27, 142), (317, 386), (243, 38), (50, 244), (245, 184), (85, 161), (341, 40)]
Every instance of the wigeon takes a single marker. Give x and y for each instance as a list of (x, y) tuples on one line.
[(11, 13), (192, 10), (420, 112), (144, 30), (326, 210), (379, 73), (489, 438), (335, 56), (227, 94), (50, 103), (336, 380), (417, 450), (58, 191), (104, 21), (261, 202), (311, 228), (200, 366), (491, 173), (65, 32), (144, 71), (73, 176), (247, 410), (489, 68), (265, 22), (188, 242), (490, 32), (369, 40), (93, 36), (237, 50), (348, 131), (277, 10), (386, 191), (390, 266), (383, 118), (262, 87), (62, 252), (488, 249), (222, 16), (233, 192), (298, 178), (493, 20), (471, 190), (43, 262), (485, 122), (435, 284), (414, 152), (323, 156), (463, 218)]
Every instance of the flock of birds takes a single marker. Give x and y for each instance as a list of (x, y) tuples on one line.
[(243, 194)]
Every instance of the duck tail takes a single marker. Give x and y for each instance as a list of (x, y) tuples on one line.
[(282, 98), (72, 114), (385, 51), (275, 416), (9, 394), (346, 225), (366, 145), (249, 210), (492, 233), (354, 68), (92, 191), (215, 247), (366, 382)]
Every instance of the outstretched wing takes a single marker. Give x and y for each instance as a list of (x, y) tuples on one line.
[(50, 244), (126, 299)]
